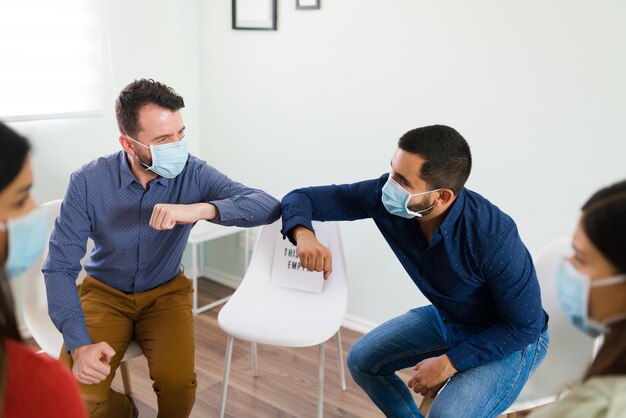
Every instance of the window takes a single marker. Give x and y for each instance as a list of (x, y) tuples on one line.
[(50, 58)]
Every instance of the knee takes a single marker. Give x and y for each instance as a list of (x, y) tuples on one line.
[(357, 360), (172, 382)]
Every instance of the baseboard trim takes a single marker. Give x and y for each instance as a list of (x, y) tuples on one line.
[(357, 324), (226, 279)]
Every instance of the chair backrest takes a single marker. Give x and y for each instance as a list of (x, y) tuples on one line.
[(570, 351), (36, 315), (323, 312)]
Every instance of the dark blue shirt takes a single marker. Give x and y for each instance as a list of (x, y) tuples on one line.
[(476, 271), (106, 203)]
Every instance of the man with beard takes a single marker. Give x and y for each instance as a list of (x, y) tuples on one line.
[(486, 330)]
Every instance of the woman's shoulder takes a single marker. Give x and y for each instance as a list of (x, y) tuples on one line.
[(23, 358), (600, 397), (37, 382)]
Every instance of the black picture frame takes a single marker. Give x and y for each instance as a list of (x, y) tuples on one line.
[(308, 4), (261, 24)]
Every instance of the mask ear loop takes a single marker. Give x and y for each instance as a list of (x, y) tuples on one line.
[(420, 213)]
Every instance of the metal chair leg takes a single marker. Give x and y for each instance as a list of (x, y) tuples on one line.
[(126, 378), (229, 356), (255, 372), (342, 372), (194, 277), (320, 384)]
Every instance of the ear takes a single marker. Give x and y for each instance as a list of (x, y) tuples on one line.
[(445, 196), (125, 143)]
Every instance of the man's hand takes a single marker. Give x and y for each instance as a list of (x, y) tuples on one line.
[(165, 215), (313, 255), (430, 375), (91, 362)]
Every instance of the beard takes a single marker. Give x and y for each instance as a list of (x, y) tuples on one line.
[(144, 156)]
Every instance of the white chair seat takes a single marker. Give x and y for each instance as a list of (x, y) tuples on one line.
[(273, 315)]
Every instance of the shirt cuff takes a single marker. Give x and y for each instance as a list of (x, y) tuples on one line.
[(462, 359), (75, 334), (290, 224)]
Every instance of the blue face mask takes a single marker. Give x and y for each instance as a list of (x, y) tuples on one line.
[(26, 239), (168, 160), (396, 200), (573, 293)]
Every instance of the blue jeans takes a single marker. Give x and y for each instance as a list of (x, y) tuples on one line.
[(483, 391)]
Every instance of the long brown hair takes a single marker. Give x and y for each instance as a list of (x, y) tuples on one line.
[(604, 222)]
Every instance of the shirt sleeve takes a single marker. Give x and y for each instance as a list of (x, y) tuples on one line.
[(237, 204), (512, 280), (345, 202), (62, 266)]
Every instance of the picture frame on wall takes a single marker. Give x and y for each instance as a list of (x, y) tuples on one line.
[(254, 14), (307, 4)]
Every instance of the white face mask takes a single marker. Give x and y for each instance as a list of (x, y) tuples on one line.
[(573, 293), (168, 160)]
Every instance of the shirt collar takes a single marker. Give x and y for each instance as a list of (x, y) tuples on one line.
[(127, 177)]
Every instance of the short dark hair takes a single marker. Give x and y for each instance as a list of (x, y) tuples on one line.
[(604, 222), (138, 94), (448, 160), (14, 150)]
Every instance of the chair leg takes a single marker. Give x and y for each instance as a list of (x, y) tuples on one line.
[(425, 405), (229, 356), (126, 378), (342, 371), (255, 372), (320, 384), (194, 278)]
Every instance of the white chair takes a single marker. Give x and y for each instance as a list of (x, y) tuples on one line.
[(570, 351), (36, 315), (261, 312)]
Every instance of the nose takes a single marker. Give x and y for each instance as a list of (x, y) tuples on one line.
[(30, 204)]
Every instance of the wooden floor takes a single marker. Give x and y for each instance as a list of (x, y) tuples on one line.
[(285, 387)]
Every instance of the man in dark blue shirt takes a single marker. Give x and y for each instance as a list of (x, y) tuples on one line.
[(138, 206), (486, 330)]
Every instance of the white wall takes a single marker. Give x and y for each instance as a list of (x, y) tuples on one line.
[(537, 88)]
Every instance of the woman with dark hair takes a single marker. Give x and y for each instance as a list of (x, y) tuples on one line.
[(31, 385), (592, 291)]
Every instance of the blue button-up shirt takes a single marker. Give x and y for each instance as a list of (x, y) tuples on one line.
[(106, 203), (476, 271)]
